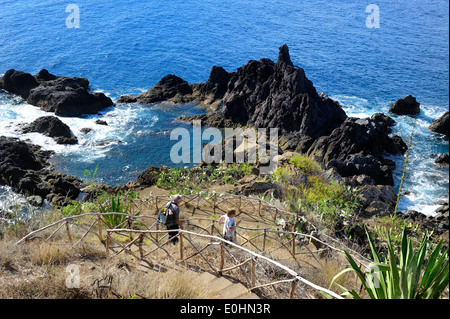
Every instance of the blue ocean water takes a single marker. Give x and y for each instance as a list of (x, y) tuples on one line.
[(126, 47)]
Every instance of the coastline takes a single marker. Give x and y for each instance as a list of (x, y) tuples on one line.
[(209, 96)]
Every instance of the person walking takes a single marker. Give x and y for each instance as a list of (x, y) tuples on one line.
[(229, 225), (173, 217)]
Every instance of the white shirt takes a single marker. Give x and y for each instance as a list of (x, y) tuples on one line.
[(229, 223)]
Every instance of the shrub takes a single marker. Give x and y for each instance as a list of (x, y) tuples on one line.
[(305, 164), (412, 278)]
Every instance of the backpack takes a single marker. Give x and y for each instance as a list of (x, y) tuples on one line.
[(165, 216)]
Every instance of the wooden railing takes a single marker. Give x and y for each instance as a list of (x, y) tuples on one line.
[(253, 257)]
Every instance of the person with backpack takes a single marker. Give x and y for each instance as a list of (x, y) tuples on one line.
[(172, 214)]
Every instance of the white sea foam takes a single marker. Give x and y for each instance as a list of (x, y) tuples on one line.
[(15, 112)]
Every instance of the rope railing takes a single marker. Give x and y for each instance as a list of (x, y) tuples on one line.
[(148, 233), (220, 269)]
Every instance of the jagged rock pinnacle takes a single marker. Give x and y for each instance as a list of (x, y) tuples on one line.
[(284, 56)]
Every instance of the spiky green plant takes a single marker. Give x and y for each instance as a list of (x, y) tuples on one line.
[(114, 205), (415, 277)]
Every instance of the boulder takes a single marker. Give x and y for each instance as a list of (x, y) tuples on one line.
[(150, 176), (407, 105), (377, 200), (357, 147), (65, 96), (25, 167), (441, 125), (443, 159), (101, 122), (68, 101), (86, 130), (18, 82), (53, 127), (169, 88)]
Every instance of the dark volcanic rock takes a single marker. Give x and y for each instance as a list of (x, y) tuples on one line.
[(53, 127), (261, 93), (86, 130), (65, 96), (441, 125), (25, 167), (377, 200), (170, 87), (18, 82), (406, 105), (357, 147), (67, 101), (22, 155), (101, 122), (150, 176), (217, 83), (443, 159), (278, 95)]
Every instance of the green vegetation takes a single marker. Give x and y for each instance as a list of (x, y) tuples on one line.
[(195, 180), (307, 191), (415, 276), (305, 165)]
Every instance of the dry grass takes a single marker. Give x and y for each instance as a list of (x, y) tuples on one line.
[(37, 269), (329, 268)]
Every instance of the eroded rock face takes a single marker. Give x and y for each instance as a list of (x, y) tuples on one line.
[(405, 106), (441, 125), (265, 94), (170, 87), (377, 200), (25, 167), (357, 148), (53, 127), (65, 96)]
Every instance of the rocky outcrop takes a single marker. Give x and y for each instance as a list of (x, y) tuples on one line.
[(279, 95), (25, 167), (169, 88), (443, 159), (18, 82), (441, 125), (256, 188), (405, 106), (377, 200), (53, 127), (438, 223), (150, 176), (264, 94), (65, 96), (357, 147)]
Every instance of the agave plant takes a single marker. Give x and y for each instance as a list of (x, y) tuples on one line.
[(114, 206), (412, 278)]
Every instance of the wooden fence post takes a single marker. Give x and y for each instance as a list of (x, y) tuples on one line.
[(259, 208), (253, 272), (293, 245), (181, 246), (222, 257), (107, 243), (100, 228), (157, 234), (212, 227), (68, 232), (264, 240), (141, 251), (293, 286)]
